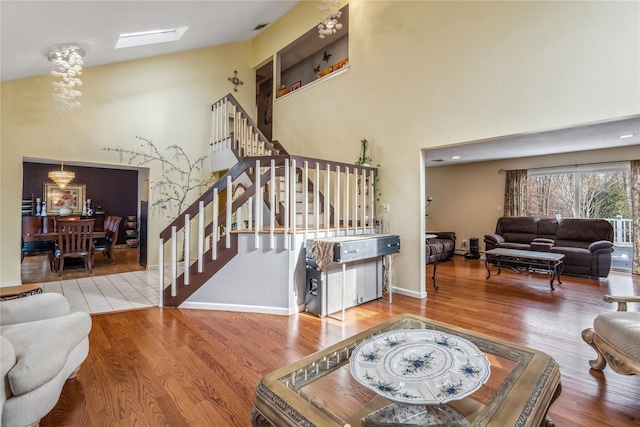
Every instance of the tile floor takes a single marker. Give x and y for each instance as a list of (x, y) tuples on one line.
[(114, 292)]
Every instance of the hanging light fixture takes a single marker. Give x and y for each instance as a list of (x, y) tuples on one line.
[(68, 59), (330, 14), (61, 177)]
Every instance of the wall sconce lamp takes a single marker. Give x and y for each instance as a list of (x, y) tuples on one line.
[(429, 200)]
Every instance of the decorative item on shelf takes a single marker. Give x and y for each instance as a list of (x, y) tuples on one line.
[(330, 14), (296, 85), (235, 81), (90, 211), (131, 230), (64, 211), (27, 203), (282, 90), (43, 211), (100, 210), (38, 206), (68, 59), (61, 177), (84, 208)]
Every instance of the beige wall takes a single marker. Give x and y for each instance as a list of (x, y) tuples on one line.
[(427, 74), (166, 99), (466, 196), (423, 74)]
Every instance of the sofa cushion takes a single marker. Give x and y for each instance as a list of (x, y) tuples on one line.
[(33, 307), (547, 228), (518, 246), (583, 229), (622, 330), (42, 348), (517, 229), (7, 360), (573, 255)]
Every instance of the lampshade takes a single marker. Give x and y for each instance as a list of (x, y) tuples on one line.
[(61, 177)]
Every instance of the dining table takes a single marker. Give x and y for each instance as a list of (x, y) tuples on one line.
[(53, 237)]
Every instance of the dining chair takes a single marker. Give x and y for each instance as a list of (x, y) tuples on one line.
[(107, 244), (75, 240)]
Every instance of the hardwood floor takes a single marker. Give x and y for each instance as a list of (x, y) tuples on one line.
[(180, 367), (35, 269)]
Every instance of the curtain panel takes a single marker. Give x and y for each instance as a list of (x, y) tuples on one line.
[(635, 214), (515, 193)]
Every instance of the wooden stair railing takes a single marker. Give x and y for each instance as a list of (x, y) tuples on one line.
[(333, 197)]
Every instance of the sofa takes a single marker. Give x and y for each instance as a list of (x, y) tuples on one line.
[(42, 345), (586, 243), (444, 246)]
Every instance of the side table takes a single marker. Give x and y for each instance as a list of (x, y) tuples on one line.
[(13, 292)]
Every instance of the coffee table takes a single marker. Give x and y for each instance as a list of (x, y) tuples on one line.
[(547, 261), (319, 389)]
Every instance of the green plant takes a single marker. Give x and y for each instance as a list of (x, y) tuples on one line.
[(365, 160)]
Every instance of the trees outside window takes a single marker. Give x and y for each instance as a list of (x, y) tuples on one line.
[(603, 192)]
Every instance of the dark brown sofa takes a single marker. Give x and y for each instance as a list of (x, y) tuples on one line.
[(444, 246), (586, 243)]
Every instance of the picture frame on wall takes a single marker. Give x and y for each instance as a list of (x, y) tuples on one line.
[(70, 197), (296, 85)]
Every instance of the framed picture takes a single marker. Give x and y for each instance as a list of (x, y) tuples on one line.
[(296, 85), (70, 197)]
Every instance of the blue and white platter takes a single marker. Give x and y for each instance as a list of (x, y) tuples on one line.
[(419, 366)]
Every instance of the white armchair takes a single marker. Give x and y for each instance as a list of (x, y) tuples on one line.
[(42, 344), (615, 337)]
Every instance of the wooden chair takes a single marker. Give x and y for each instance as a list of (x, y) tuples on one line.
[(107, 244), (75, 240), (615, 337)]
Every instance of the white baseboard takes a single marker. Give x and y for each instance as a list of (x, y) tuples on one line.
[(240, 308), (11, 283), (412, 294)]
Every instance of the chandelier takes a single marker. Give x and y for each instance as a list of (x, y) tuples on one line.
[(61, 177), (330, 14), (68, 59)]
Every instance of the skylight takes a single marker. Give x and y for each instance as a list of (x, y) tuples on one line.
[(150, 37)]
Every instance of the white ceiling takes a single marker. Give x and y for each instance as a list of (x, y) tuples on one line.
[(592, 136), (29, 28)]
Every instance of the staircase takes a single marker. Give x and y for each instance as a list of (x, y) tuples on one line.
[(268, 203)]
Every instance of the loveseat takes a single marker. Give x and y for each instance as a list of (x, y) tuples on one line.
[(42, 344), (586, 243), (444, 246)]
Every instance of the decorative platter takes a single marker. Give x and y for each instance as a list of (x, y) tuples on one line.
[(420, 366)]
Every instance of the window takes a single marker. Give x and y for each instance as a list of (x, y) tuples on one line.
[(596, 191)]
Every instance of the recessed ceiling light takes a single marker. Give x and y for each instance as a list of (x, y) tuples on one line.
[(455, 157), (144, 38), (626, 136)]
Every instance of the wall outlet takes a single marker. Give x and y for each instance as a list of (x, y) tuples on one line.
[(464, 243), (386, 208)]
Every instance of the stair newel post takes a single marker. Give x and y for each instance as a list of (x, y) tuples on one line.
[(216, 228), (293, 206), (336, 201), (225, 117), (187, 248), (286, 203), (228, 212), (305, 198), (316, 200), (200, 235), (346, 200), (161, 273), (272, 201), (327, 205), (174, 261), (372, 207), (257, 205)]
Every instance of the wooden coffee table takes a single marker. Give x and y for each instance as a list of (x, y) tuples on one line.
[(319, 390), (547, 261)]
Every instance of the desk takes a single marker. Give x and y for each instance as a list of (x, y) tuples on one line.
[(319, 389)]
